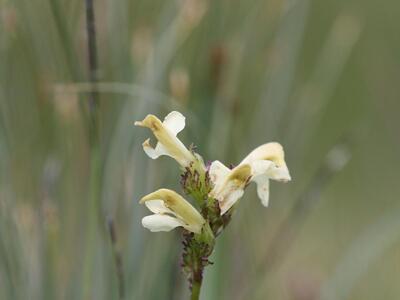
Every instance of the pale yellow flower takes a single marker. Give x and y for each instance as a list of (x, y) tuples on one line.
[(262, 164), (168, 143), (170, 210)]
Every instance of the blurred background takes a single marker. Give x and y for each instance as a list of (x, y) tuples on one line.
[(320, 77)]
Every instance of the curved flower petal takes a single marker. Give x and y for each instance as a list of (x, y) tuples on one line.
[(269, 151), (260, 167), (269, 168), (158, 207), (175, 122), (231, 198), (175, 204), (156, 152), (280, 173), (218, 174), (262, 182), (168, 143), (158, 222)]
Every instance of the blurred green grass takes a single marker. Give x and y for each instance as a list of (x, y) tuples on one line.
[(309, 74)]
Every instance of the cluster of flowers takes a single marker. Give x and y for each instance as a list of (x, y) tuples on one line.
[(215, 184)]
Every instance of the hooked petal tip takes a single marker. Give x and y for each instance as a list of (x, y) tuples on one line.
[(150, 121)]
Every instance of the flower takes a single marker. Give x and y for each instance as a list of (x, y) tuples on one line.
[(170, 211), (263, 163), (168, 143)]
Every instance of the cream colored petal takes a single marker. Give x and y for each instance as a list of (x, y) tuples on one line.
[(156, 223), (218, 174), (269, 168), (280, 173), (179, 206), (156, 152), (270, 151), (260, 167), (174, 122), (230, 199), (263, 171), (158, 207), (262, 182)]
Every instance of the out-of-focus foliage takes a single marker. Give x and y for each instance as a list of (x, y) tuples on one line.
[(310, 74)]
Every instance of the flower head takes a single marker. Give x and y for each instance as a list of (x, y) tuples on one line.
[(263, 163), (168, 143), (170, 211)]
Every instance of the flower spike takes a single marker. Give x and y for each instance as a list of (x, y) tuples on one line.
[(215, 188)]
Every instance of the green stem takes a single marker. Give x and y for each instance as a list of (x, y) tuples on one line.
[(196, 290)]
